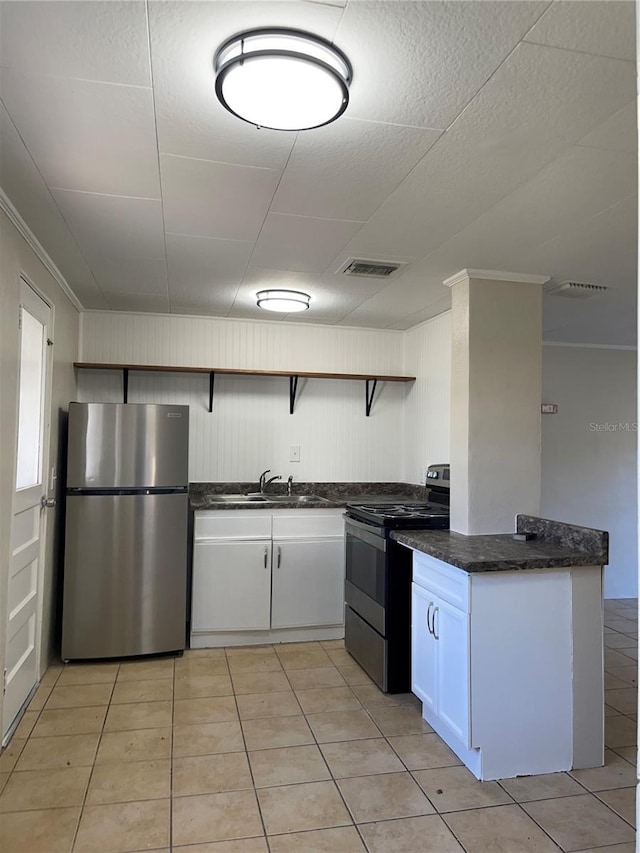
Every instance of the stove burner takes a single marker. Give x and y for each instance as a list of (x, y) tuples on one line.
[(390, 515)]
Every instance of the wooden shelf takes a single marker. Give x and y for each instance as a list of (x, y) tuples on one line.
[(371, 379)]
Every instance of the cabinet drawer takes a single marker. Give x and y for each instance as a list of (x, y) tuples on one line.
[(304, 524), (232, 524), (448, 582)]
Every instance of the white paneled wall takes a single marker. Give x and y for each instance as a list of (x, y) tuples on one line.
[(219, 342), (250, 428), (426, 417)]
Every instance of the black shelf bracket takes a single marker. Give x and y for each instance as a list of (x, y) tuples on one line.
[(369, 392), (293, 390), (125, 384), (212, 377)]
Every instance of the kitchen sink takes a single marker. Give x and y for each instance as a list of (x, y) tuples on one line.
[(266, 498), (297, 499), (237, 499)]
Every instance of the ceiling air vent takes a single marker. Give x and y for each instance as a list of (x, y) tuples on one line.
[(371, 269), (576, 289)]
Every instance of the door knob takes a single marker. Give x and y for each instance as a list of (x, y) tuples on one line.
[(47, 502)]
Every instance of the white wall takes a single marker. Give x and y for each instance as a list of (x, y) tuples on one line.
[(250, 428), (426, 425), (589, 475), (17, 257)]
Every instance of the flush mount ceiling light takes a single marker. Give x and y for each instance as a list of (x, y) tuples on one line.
[(284, 301), (282, 79)]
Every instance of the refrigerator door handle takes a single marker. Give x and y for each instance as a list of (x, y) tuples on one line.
[(266, 556)]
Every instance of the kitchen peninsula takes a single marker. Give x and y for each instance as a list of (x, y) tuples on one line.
[(507, 645)]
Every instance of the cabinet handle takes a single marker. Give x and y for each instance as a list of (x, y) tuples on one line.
[(266, 556), (279, 552), (428, 612), (433, 622)]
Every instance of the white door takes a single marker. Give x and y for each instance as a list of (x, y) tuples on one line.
[(231, 586), (24, 598), (308, 583), (451, 630), (424, 662)]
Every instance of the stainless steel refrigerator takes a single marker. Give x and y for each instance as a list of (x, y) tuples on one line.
[(125, 567)]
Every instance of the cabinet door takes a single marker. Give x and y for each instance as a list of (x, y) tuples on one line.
[(308, 583), (424, 661), (231, 586), (451, 629)]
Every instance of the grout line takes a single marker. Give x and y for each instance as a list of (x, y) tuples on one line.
[(246, 754), (93, 766)]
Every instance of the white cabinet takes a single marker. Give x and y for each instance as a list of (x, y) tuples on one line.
[(440, 655), (308, 583), (508, 665), (232, 584), (267, 576), (423, 648)]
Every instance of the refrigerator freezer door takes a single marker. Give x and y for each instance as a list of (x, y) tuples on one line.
[(113, 445), (125, 578)]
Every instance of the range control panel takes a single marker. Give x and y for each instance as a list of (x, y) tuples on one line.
[(438, 475)]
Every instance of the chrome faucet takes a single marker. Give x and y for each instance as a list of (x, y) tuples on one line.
[(262, 479), (270, 480), (289, 482), (263, 482)]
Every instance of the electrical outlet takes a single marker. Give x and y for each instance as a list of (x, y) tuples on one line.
[(294, 453)]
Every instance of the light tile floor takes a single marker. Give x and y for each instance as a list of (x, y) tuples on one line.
[(290, 749)]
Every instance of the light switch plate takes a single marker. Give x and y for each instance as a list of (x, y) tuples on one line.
[(294, 453)]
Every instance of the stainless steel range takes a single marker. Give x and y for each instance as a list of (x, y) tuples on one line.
[(378, 580)]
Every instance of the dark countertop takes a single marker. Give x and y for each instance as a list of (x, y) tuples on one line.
[(336, 495), (557, 545)]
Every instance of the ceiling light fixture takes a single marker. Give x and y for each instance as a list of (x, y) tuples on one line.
[(284, 301), (282, 79)]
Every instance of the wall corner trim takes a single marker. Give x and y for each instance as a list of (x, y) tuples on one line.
[(495, 275), (8, 207)]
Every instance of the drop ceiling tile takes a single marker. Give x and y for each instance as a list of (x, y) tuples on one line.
[(215, 199), (204, 306), (406, 296), (90, 297), (203, 267), (301, 244), (142, 302), (600, 251), (618, 133), (569, 191), (431, 310), (133, 276), (604, 28), (420, 63), (537, 104), (88, 136), (184, 39), (24, 186), (109, 225), (345, 170), (94, 40)]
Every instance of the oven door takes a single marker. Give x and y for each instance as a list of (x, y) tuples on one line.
[(366, 572)]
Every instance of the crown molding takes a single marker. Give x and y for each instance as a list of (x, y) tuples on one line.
[(627, 347), (7, 206), (495, 275)]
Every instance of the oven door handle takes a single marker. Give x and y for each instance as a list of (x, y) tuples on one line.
[(366, 533)]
